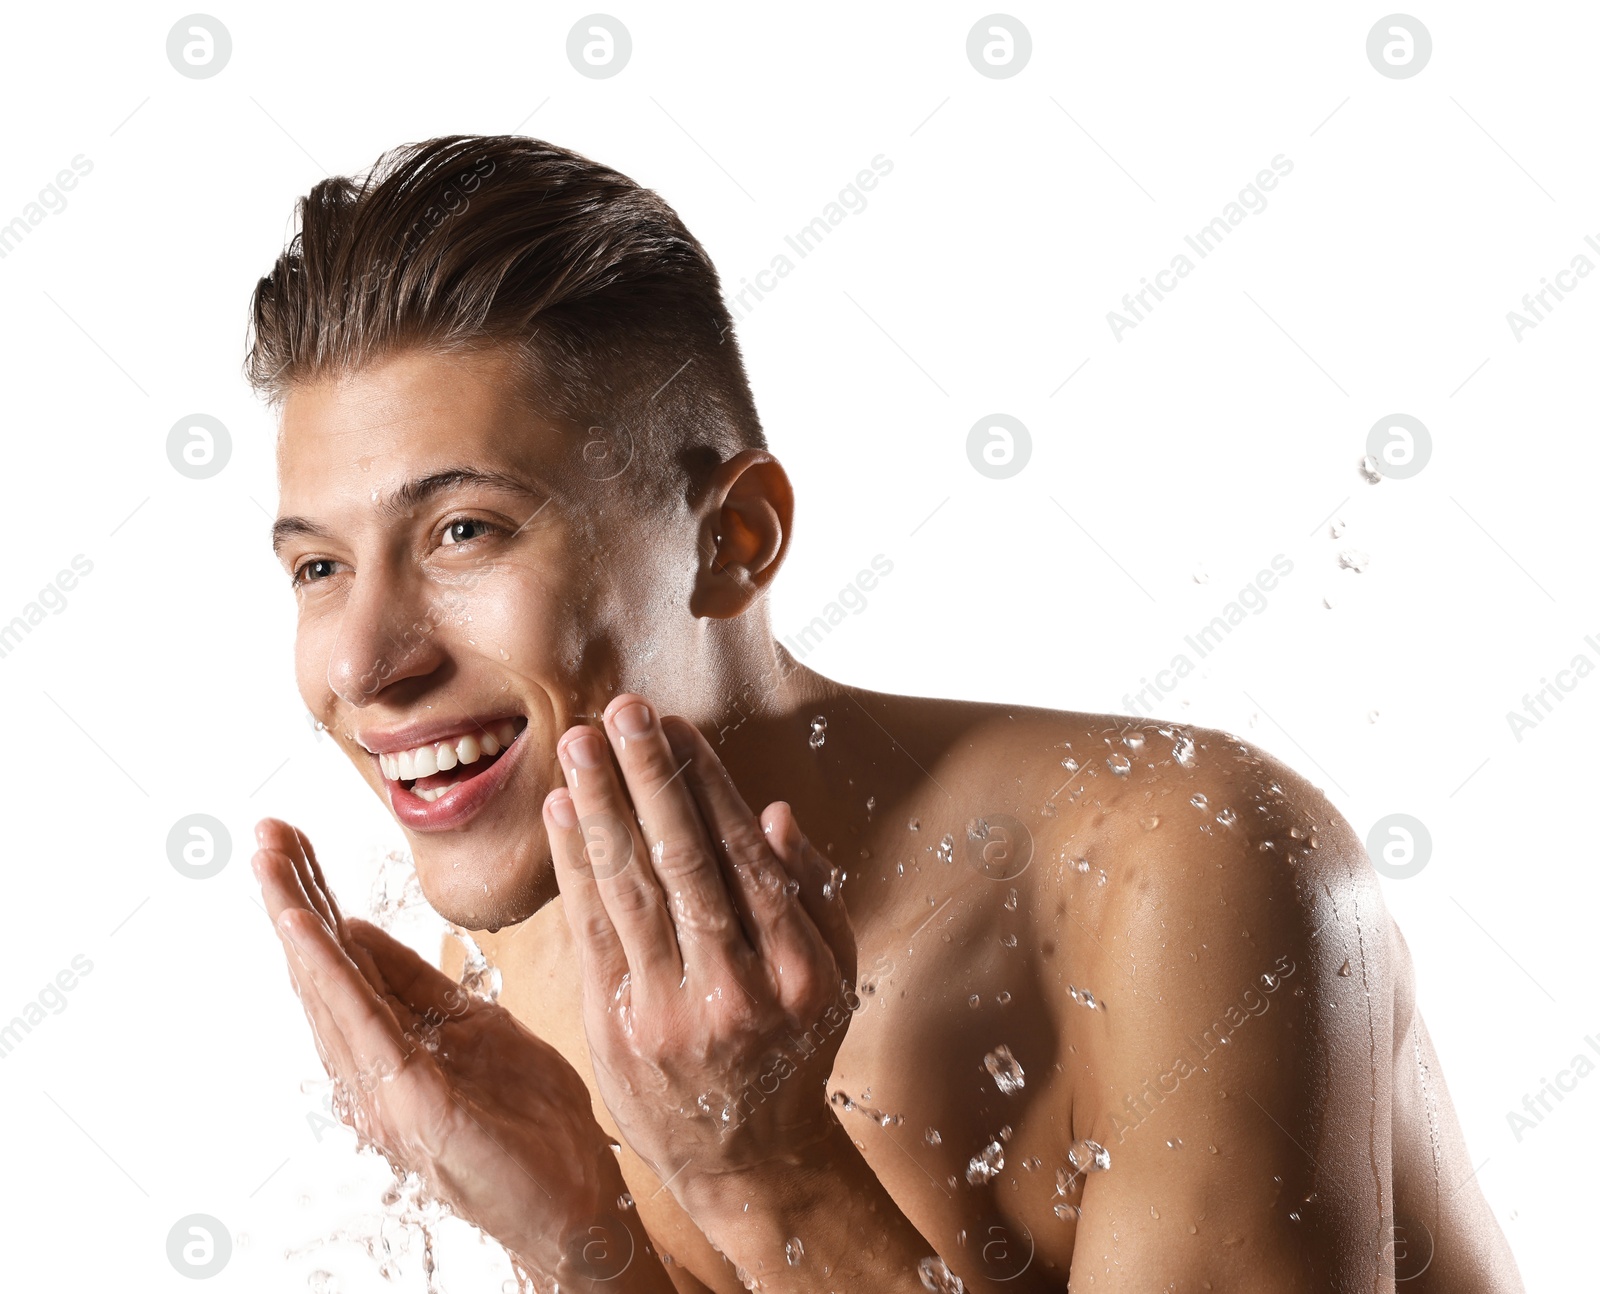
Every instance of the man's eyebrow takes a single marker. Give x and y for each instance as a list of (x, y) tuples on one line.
[(287, 528), (417, 492), (411, 495)]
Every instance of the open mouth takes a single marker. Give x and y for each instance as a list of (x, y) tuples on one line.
[(432, 770)]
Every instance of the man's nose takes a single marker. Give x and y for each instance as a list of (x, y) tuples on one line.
[(386, 634)]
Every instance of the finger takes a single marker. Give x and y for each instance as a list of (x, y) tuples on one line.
[(602, 959), (683, 848), (777, 924), (425, 989), (273, 833), (309, 857), (820, 881), (281, 892), (627, 884), (373, 1036)]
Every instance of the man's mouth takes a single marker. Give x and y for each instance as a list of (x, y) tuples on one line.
[(434, 768)]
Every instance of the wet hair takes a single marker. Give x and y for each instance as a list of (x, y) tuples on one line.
[(611, 308)]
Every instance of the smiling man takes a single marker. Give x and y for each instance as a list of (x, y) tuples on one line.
[(804, 985)]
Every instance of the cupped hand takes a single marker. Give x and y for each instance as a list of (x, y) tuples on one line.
[(495, 1121), (717, 957)]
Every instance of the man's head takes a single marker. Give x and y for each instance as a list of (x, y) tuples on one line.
[(520, 470)]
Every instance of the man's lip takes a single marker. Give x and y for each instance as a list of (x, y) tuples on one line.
[(458, 805), (391, 741)]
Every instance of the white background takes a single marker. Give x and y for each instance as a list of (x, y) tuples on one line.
[(1222, 431)]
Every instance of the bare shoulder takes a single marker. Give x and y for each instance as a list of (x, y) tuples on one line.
[(1227, 996)]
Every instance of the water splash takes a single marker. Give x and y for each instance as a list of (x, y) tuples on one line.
[(819, 733)]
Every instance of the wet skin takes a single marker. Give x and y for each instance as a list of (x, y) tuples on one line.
[(1197, 894)]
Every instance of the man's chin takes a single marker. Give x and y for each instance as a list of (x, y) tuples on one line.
[(479, 892)]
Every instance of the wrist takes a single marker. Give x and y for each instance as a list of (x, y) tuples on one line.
[(596, 1243), (819, 1209)]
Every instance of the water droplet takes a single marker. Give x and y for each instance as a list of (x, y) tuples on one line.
[(1134, 741), (914, 825), (1003, 997), (1083, 997), (1004, 1068), (1176, 1143), (625, 1201), (1011, 900), (973, 1000), (1369, 470), (947, 846), (1345, 969), (1089, 1156), (932, 1137), (794, 1251), (1336, 528), (1353, 559), (1183, 748), (819, 733), (1119, 764), (1227, 817), (937, 1277), (1079, 864), (1067, 1212), (985, 1166), (1372, 716)]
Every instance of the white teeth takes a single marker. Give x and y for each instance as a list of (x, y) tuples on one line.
[(442, 756), (423, 793)]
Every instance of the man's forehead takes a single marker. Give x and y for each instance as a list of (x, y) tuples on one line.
[(407, 419)]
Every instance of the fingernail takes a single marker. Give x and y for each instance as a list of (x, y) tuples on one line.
[(561, 811), (585, 750), (633, 720)]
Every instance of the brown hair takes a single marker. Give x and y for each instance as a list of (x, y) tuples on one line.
[(612, 308)]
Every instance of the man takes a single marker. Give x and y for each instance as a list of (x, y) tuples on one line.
[(986, 995)]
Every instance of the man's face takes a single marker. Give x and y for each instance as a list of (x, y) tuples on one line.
[(467, 590)]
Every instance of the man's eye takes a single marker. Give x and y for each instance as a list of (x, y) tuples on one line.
[(318, 568), (459, 532)]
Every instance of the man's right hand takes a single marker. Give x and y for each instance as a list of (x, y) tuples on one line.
[(495, 1121)]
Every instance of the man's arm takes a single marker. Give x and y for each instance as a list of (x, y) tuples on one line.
[(1241, 1079)]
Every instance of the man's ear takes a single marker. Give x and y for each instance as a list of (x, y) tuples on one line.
[(746, 513)]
